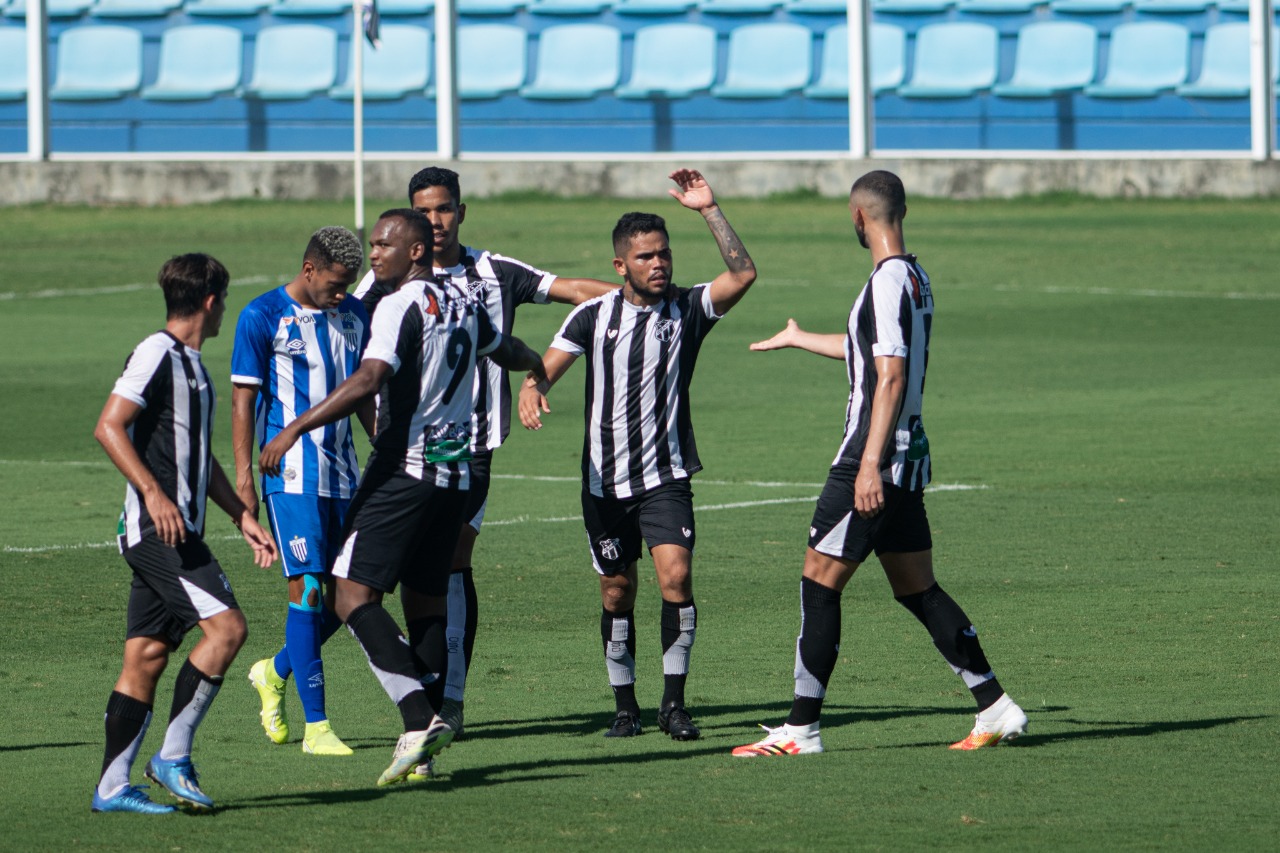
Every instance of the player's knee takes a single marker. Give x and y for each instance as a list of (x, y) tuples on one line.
[(312, 598)]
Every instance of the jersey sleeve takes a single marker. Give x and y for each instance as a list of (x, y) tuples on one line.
[(525, 283), (888, 289), (142, 374), (384, 331), (575, 334), (252, 350)]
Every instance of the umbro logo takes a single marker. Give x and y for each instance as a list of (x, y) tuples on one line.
[(316, 680), (297, 346)]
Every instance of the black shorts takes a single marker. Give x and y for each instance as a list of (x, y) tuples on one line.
[(478, 494), (662, 516), (400, 529), (174, 588), (838, 531)]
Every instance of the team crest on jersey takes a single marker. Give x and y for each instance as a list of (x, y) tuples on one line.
[(289, 474), (297, 346), (352, 337), (298, 546), (476, 289), (664, 329), (610, 549)]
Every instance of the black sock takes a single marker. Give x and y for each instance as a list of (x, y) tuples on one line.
[(679, 627), (392, 662), (618, 632), (430, 652), (126, 725), (817, 649), (956, 639)]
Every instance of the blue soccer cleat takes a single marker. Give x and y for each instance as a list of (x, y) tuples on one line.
[(179, 778), (130, 798)]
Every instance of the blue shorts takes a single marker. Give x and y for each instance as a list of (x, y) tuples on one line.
[(308, 530)]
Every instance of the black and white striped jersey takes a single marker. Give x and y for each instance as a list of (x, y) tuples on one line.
[(892, 316), (431, 333), (640, 359), (501, 283), (172, 432)]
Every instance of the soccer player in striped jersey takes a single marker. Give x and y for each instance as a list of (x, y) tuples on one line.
[(403, 524), (873, 499), (640, 345), (294, 345), (503, 284), (156, 428)]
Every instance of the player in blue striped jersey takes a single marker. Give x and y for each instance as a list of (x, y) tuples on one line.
[(293, 346)]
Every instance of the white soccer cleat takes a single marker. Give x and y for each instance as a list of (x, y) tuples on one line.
[(1002, 722), (784, 740)]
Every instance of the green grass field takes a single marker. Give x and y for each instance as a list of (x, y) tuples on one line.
[(1103, 375)]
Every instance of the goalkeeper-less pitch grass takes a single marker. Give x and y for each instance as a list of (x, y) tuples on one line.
[(1103, 385)]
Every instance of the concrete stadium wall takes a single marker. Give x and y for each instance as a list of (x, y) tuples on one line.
[(177, 182)]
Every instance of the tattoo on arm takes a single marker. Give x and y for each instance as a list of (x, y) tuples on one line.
[(731, 248)]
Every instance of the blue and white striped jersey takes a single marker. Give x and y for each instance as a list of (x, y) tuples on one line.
[(172, 434), (892, 316), (296, 357)]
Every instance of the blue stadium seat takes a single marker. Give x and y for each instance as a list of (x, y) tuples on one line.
[(197, 62), (489, 7), (738, 7), (911, 7), (576, 61), (133, 8), (56, 8), (400, 65), (309, 8), (1088, 7), (888, 45), (653, 7), (225, 8), (998, 7), (1177, 7), (767, 61), (1051, 57), (1145, 58), (491, 60), (13, 63), (567, 7), (953, 60), (399, 8), (1224, 69), (293, 62), (671, 61), (815, 7), (97, 63)]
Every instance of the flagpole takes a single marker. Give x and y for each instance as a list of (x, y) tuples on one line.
[(357, 78)]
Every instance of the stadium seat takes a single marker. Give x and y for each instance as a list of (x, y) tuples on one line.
[(1177, 7), (292, 62), (197, 62), (13, 63), (576, 61), (738, 7), (97, 63), (309, 8), (489, 7), (671, 61), (400, 65), (815, 7), (55, 8), (399, 8), (567, 7), (653, 7), (888, 61), (1088, 7), (225, 8), (911, 7), (133, 8), (998, 7), (1144, 59), (766, 61), (1051, 57), (1224, 68), (952, 60), (491, 60)]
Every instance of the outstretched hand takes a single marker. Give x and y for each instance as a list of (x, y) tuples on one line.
[(784, 339), (694, 193)]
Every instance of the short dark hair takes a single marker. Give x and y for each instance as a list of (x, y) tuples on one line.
[(188, 279), (435, 176), (334, 245), (418, 224), (633, 224), (886, 197)]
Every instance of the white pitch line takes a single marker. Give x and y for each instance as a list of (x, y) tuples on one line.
[(1116, 291), (110, 290)]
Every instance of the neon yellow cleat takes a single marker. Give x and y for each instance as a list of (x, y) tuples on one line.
[(319, 739), (270, 687)]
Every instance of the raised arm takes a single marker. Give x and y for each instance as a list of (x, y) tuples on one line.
[(832, 346), (731, 285), (340, 403), (243, 400), (534, 389), (575, 291)]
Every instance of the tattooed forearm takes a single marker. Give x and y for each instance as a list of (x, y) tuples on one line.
[(731, 248)]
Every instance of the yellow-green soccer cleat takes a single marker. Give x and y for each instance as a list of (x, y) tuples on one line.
[(270, 687), (319, 739), (416, 748)]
